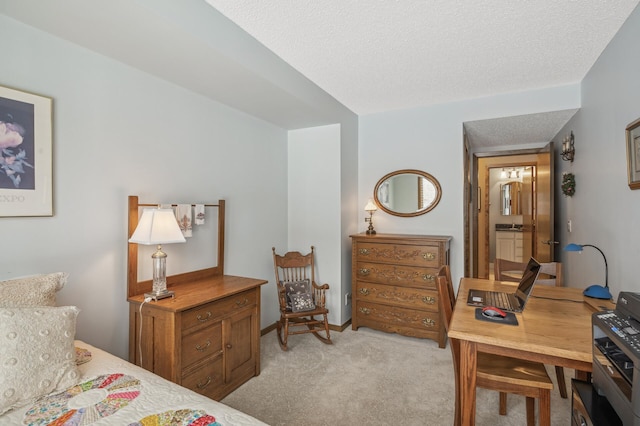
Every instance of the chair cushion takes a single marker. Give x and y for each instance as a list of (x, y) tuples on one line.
[(302, 302), (296, 287)]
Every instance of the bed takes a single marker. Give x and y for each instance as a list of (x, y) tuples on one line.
[(49, 378)]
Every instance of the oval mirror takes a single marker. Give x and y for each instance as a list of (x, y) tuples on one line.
[(407, 193)]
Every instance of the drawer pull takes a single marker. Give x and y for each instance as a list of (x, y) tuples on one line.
[(429, 300), (205, 318), (228, 346), (203, 348), (365, 311), (205, 384), (242, 302), (429, 256), (364, 291), (364, 271), (427, 277), (363, 251), (428, 322)]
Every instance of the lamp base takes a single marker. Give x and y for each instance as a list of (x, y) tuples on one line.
[(163, 294), (597, 292)]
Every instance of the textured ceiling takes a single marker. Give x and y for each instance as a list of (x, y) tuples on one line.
[(381, 55)]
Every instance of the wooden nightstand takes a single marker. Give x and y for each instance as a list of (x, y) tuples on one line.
[(205, 338)]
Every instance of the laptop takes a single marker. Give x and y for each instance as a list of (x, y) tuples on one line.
[(512, 302)]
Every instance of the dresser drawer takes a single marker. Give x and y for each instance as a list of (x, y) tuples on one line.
[(399, 254), (204, 315), (201, 344), (411, 322), (396, 274), (406, 297), (206, 380)]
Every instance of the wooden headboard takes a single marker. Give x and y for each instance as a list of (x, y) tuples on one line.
[(135, 287)]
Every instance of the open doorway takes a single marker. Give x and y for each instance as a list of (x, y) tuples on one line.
[(523, 182)]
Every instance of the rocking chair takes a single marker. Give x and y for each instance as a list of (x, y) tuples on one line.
[(300, 298)]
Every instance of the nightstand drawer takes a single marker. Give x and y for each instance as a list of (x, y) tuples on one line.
[(399, 254), (201, 344), (396, 274), (204, 315), (206, 380), (406, 297)]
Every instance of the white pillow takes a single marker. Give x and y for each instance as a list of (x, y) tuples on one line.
[(34, 290), (37, 354)]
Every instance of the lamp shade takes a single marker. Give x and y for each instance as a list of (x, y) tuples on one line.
[(370, 207), (157, 226)]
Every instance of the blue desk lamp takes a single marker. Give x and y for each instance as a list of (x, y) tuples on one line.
[(596, 291)]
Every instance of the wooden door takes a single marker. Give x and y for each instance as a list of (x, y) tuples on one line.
[(544, 237)]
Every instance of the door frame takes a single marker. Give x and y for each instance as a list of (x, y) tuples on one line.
[(473, 196)]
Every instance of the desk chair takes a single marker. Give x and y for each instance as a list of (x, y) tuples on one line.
[(299, 297), (550, 274), (496, 372)]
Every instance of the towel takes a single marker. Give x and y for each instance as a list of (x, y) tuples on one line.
[(199, 211), (183, 214)]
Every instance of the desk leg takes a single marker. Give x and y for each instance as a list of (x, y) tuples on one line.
[(468, 370)]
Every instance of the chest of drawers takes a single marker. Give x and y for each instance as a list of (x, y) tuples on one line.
[(393, 283)]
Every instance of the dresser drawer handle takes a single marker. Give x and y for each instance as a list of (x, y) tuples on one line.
[(429, 300), (429, 256), (427, 277), (242, 302), (203, 348), (428, 322), (205, 384), (205, 318), (365, 311), (364, 271), (363, 251), (364, 291)]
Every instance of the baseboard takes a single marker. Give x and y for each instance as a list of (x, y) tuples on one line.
[(332, 327)]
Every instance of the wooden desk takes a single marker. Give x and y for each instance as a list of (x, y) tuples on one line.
[(554, 332)]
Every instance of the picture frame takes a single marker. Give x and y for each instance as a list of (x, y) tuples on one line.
[(26, 178)]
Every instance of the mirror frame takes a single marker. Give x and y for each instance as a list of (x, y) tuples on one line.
[(425, 175)]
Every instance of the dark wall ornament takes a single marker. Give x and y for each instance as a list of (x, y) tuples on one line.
[(568, 184)]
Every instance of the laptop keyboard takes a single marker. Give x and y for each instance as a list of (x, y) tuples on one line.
[(499, 300)]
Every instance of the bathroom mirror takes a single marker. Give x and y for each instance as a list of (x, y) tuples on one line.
[(407, 193), (510, 196)]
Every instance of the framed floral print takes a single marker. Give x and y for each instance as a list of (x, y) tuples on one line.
[(25, 154)]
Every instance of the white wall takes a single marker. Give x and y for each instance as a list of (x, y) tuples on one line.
[(119, 132), (604, 211), (314, 206), (430, 139)]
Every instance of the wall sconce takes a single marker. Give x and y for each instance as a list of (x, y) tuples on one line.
[(158, 226), (370, 207), (595, 291), (568, 150)]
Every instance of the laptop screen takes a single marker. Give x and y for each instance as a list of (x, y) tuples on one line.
[(528, 279)]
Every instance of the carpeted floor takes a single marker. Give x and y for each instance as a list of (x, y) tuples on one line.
[(368, 378)]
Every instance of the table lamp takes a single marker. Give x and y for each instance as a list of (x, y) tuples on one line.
[(158, 226), (370, 207), (596, 291)]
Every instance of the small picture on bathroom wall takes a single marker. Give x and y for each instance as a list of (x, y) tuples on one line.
[(633, 154)]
